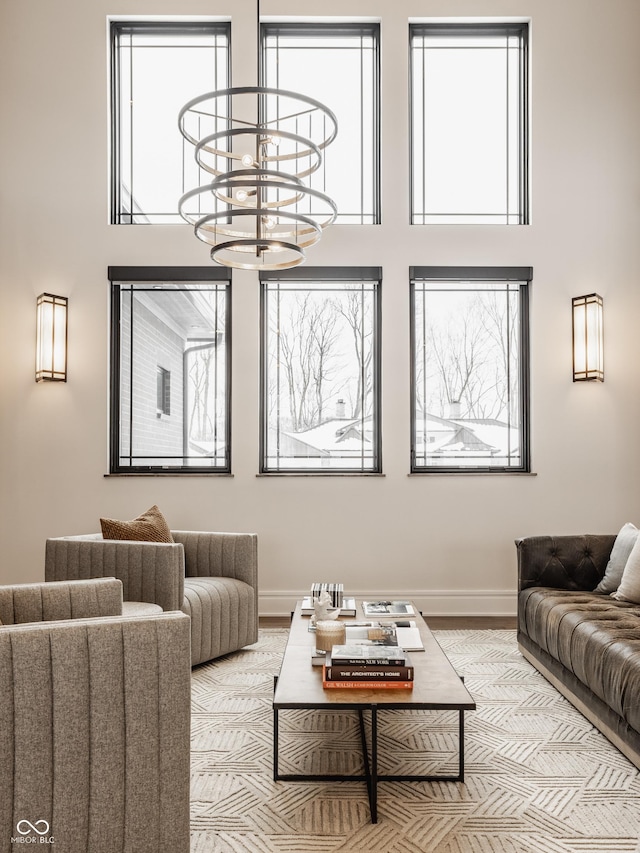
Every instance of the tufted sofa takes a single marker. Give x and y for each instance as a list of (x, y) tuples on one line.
[(587, 645)]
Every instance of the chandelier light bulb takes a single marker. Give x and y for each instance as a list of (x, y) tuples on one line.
[(247, 160), (241, 195)]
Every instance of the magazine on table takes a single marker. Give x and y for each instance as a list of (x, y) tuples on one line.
[(404, 633), (388, 608)]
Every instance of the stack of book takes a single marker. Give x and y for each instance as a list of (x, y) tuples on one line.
[(348, 607), (359, 666), (335, 590)]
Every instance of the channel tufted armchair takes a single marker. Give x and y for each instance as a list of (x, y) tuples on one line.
[(94, 721), (212, 577)]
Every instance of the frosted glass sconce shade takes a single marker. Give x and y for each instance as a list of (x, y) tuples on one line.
[(588, 338), (51, 338)]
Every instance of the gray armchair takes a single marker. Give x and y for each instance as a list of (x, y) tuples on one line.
[(212, 577), (94, 721)]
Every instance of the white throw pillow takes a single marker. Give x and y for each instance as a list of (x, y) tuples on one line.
[(625, 540), (629, 589)]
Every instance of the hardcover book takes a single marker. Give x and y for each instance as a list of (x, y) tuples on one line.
[(335, 590), (354, 654), (377, 672), (368, 684)]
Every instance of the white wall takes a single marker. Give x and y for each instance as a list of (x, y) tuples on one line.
[(446, 540)]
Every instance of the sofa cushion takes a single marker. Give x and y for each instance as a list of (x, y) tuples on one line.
[(140, 608), (151, 526), (223, 616), (596, 638), (622, 547), (629, 589)]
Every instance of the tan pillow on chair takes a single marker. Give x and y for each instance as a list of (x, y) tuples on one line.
[(151, 526)]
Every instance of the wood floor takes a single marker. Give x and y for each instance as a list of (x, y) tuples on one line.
[(442, 623)]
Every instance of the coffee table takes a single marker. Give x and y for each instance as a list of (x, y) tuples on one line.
[(437, 686)]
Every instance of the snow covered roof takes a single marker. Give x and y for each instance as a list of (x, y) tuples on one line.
[(342, 436)]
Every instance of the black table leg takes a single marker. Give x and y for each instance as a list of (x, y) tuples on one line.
[(461, 741), (275, 736), (373, 794), (364, 748), (371, 775), (461, 745)]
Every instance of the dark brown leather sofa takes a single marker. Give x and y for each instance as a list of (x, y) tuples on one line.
[(586, 645)]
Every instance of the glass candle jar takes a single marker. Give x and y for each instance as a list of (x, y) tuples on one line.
[(329, 633)]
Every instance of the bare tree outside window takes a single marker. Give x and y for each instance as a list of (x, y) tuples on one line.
[(320, 380), (469, 375)]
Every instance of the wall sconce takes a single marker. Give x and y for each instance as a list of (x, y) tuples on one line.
[(588, 338), (51, 338)]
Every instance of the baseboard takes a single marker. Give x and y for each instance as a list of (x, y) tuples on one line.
[(441, 602)]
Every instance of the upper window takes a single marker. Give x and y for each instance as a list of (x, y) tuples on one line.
[(470, 402), (321, 371), (155, 69), (469, 124), (338, 65), (169, 370)]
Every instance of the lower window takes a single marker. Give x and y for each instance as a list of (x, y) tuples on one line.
[(169, 370), (470, 397), (320, 371)]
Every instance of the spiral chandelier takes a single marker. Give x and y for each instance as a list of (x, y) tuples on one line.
[(260, 145)]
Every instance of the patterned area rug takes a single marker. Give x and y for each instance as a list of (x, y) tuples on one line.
[(539, 777)]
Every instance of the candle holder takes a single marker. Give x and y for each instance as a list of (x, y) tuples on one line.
[(329, 634)]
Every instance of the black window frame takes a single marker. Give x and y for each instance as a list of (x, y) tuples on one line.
[(118, 28), (319, 275), (117, 275), (524, 275), (370, 29), (519, 29)]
